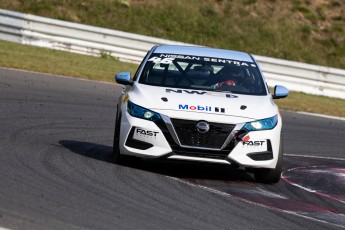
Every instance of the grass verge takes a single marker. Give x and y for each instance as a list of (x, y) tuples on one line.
[(31, 58)]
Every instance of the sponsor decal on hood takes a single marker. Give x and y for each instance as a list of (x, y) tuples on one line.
[(199, 92), (201, 108)]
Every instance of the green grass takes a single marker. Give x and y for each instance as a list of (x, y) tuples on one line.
[(103, 68), (31, 58), (297, 101), (300, 30)]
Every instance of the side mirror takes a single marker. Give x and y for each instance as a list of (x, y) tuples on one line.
[(280, 92), (123, 78)]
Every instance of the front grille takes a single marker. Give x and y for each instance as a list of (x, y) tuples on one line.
[(189, 135)]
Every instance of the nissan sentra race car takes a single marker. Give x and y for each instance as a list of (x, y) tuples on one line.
[(200, 104)]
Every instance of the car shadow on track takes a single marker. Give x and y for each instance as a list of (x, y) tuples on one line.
[(174, 168)]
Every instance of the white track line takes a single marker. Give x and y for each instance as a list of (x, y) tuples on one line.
[(224, 194), (322, 115), (317, 157), (317, 192), (60, 76)]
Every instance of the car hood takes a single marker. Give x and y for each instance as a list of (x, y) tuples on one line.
[(165, 100)]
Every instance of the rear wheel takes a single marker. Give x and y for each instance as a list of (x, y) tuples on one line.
[(270, 176)]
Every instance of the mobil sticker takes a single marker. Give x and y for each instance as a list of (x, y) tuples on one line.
[(195, 107)]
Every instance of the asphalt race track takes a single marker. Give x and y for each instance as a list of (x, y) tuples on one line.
[(56, 169)]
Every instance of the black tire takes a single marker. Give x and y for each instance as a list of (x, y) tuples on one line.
[(271, 176), (117, 157)]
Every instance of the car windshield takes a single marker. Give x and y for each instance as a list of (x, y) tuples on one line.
[(203, 73)]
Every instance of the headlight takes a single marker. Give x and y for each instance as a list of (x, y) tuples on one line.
[(140, 112), (264, 124)]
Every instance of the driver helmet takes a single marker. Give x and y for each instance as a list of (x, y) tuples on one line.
[(230, 76)]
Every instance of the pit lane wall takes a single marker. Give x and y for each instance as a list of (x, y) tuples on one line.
[(89, 40)]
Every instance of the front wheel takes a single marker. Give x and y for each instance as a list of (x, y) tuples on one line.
[(118, 158), (270, 176)]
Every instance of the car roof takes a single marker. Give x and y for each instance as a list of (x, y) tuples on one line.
[(203, 52)]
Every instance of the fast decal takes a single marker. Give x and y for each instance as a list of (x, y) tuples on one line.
[(195, 107), (198, 92), (146, 132), (253, 143), (169, 58)]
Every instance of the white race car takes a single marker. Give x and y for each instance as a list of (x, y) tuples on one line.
[(200, 104)]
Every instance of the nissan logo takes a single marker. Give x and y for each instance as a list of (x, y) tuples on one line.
[(202, 127)]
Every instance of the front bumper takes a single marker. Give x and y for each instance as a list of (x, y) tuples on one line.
[(139, 137)]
